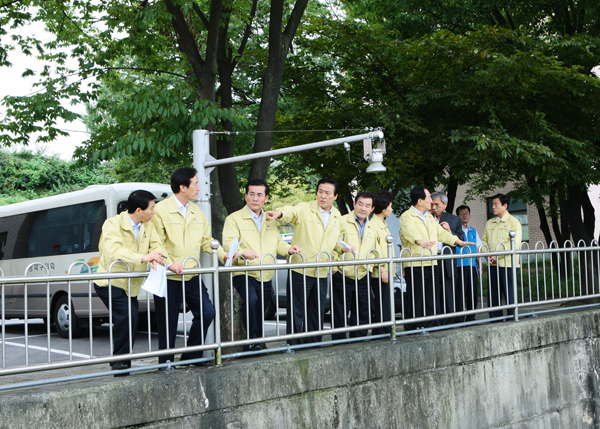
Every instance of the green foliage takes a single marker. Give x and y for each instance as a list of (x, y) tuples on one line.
[(136, 168), (124, 65), (154, 119), (288, 194), (25, 175), (459, 100)]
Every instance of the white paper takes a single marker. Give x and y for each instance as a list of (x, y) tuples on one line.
[(235, 244), (347, 246), (156, 283)]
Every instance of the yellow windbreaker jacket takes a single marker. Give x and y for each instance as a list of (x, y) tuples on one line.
[(350, 235), (183, 237), (412, 228), (310, 235), (241, 225), (118, 242)]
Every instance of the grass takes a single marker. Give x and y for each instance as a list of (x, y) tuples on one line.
[(547, 280)]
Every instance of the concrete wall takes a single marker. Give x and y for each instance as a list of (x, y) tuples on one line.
[(539, 372)]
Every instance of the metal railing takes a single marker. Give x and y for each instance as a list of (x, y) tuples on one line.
[(546, 279)]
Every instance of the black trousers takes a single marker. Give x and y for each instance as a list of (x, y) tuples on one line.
[(252, 310), (296, 320), (420, 297), (202, 316), (345, 302), (381, 305), (467, 292), (445, 291), (501, 283), (120, 312)]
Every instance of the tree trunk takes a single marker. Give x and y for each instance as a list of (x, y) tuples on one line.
[(580, 214), (279, 45), (544, 223), (228, 179), (452, 188)]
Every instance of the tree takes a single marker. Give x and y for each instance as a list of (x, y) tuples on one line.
[(26, 175), (465, 93), (168, 67)]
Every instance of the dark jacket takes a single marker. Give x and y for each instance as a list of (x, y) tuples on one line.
[(456, 229)]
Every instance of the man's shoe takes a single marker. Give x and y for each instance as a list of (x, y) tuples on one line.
[(255, 348), (116, 366), (197, 364)]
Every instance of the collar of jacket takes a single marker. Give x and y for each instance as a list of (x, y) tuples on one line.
[(172, 205), (126, 225), (246, 213)]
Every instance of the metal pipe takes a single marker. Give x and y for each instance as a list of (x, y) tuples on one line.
[(293, 149)]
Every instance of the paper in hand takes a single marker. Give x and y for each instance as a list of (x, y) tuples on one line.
[(235, 244), (343, 244), (156, 283)]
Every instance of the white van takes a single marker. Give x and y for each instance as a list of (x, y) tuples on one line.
[(56, 232)]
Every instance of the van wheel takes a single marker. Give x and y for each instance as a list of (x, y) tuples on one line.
[(62, 317)]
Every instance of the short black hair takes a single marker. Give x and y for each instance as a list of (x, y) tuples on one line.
[(381, 200), (258, 182), (459, 208), (504, 200), (417, 193), (364, 194), (139, 199), (331, 182), (182, 177)]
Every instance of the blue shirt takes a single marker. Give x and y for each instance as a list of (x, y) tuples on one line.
[(135, 227), (257, 219), (325, 215), (472, 236), (361, 228)]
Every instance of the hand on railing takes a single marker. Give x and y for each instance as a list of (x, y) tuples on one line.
[(154, 258), (176, 267), (248, 254)]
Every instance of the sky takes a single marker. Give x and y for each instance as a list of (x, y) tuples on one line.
[(19, 86)]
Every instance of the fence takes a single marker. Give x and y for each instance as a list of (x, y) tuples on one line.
[(435, 299)]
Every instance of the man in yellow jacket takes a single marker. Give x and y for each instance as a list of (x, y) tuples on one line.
[(420, 233), (317, 227), (185, 230), (496, 238), (257, 237), (129, 237), (350, 291)]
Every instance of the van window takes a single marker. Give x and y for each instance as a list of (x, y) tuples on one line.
[(59, 231)]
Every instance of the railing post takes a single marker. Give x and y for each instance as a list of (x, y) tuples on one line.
[(391, 275), (215, 263), (513, 256)]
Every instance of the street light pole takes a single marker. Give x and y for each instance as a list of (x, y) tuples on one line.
[(204, 163)]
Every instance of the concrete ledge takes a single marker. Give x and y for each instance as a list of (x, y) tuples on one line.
[(533, 373)]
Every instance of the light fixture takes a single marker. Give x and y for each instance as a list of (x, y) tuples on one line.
[(374, 156)]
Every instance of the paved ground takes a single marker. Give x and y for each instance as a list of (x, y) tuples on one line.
[(16, 356)]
